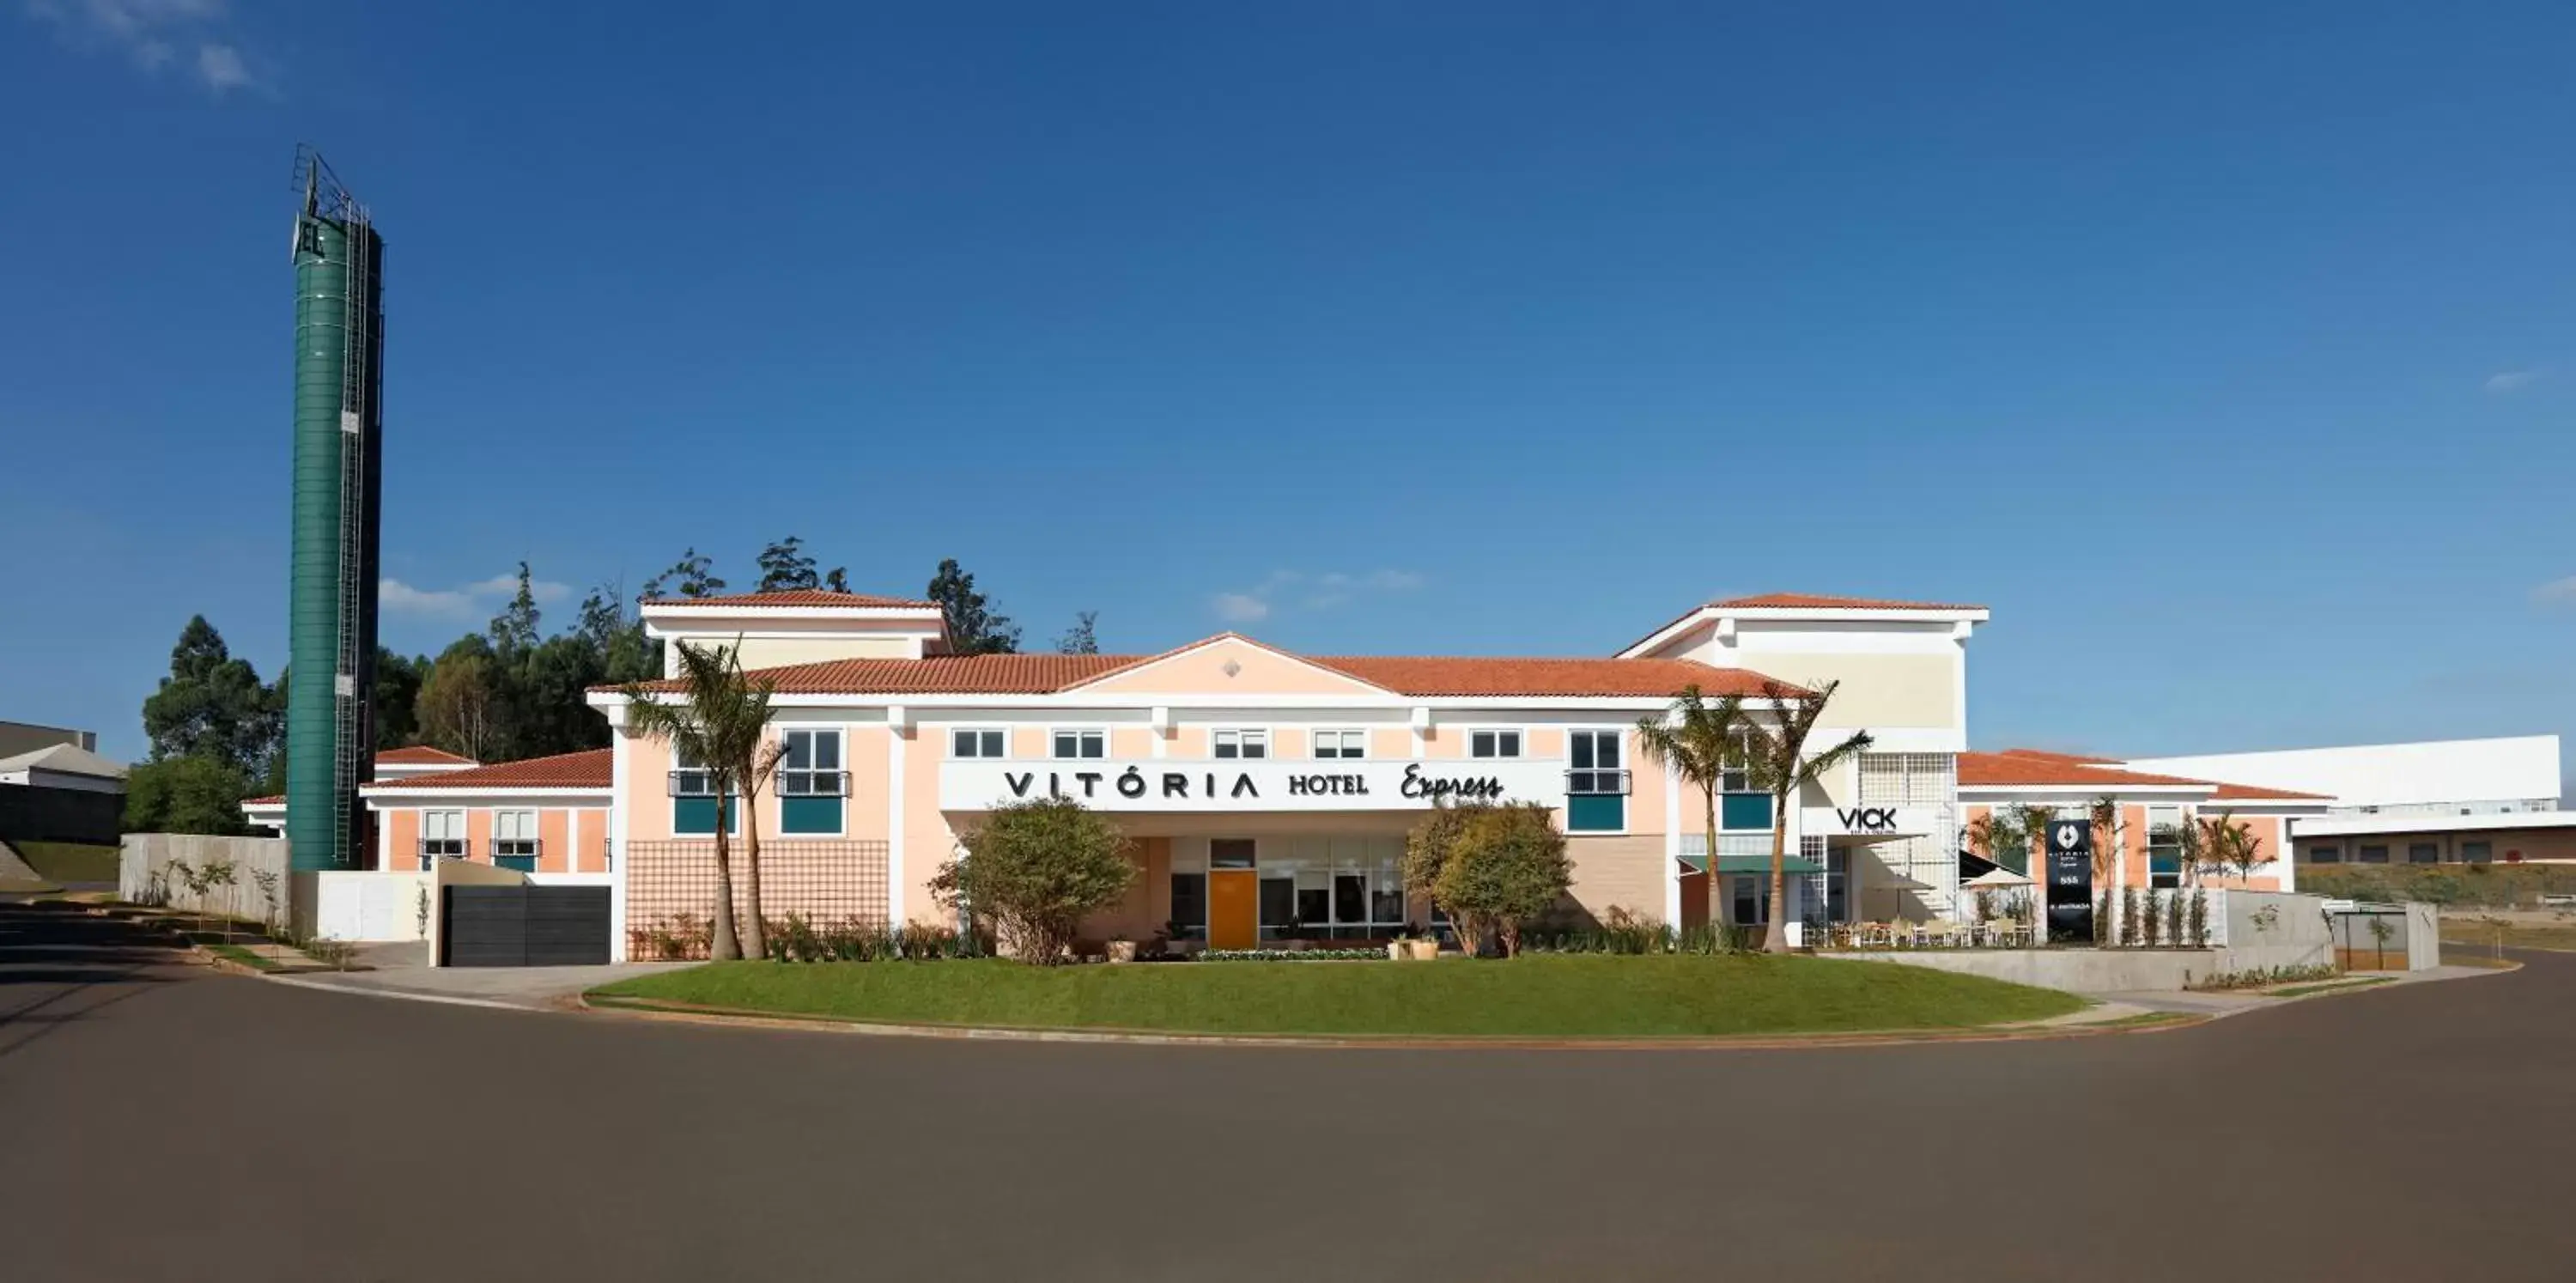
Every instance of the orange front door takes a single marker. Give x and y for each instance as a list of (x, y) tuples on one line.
[(1234, 909)]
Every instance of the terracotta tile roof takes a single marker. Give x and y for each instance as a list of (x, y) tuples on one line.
[(2264, 793), (1424, 676), (278, 800), (591, 768), (794, 597), (2043, 769), (1819, 601), (2046, 756), (420, 755), (1444, 675)]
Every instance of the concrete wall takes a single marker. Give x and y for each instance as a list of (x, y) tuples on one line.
[(2260, 930), (143, 854), (364, 906), (2080, 970)]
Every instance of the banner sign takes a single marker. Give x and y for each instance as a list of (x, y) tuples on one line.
[(2070, 882), (1257, 784)]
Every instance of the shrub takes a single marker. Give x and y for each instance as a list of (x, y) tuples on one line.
[(2262, 976), (2174, 919), (1492, 868), (2148, 922), (1033, 871), (2199, 917), (2129, 932)]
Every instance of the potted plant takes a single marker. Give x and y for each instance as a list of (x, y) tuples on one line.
[(1413, 945), (1122, 949), (1174, 940)]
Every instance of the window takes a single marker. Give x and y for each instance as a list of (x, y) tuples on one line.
[(1597, 785), (2326, 853), (2478, 852), (1332, 887), (1493, 744), (811, 782), (1920, 779), (694, 804), (1751, 902), (1837, 883), (442, 836), (2164, 846), (1230, 853), (1345, 744), (514, 840), (1081, 743), (978, 743), (2372, 855), (2423, 853), (1230, 744), (1189, 906)]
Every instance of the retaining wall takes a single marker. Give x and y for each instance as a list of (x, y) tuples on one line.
[(141, 855), (2079, 970)]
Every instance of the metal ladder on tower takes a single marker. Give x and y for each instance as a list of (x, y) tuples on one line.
[(357, 325)]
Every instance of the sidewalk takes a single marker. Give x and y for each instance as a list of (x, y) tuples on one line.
[(2232, 1002), (402, 970)]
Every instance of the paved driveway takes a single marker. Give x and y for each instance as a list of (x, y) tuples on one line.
[(163, 1124)]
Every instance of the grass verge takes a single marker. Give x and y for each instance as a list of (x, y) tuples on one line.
[(246, 957), (69, 861), (1542, 997), (2473, 934)]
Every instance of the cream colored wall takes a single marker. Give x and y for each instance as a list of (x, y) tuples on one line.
[(775, 652), (1877, 690)]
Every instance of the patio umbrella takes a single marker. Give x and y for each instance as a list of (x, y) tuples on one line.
[(1997, 879)]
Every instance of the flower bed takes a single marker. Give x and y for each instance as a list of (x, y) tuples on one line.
[(1293, 955)]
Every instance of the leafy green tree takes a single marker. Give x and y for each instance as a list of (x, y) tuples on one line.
[(625, 653), (1081, 639), (549, 714), (514, 630), (1491, 868), (973, 627), (1703, 742), (1034, 870), (213, 705), (784, 567), (460, 710), (1783, 767), (693, 575), (720, 720), (396, 702), (186, 794), (836, 579)]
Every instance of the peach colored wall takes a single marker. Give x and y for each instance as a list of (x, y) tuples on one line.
[(867, 813), (554, 841), (1645, 802), (1028, 741), (647, 799), (1543, 742), (1189, 741), (402, 839), (1131, 741), (1441, 742), (928, 841), (1257, 672), (1617, 872), (1394, 742), (478, 836)]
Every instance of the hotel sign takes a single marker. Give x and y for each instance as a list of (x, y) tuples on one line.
[(2070, 882), (1259, 784), (1869, 821)]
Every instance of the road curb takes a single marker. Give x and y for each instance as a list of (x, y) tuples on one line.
[(681, 1013), (404, 995)]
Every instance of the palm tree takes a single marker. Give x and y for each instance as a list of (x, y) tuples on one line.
[(721, 722), (2110, 861), (1782, 767), (1701, 741)]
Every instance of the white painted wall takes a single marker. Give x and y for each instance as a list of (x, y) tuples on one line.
[(369, 906), (2519, 769)]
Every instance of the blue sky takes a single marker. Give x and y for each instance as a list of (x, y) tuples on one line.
[(2226, 351)]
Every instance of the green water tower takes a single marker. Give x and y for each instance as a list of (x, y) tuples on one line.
[(331, 602)]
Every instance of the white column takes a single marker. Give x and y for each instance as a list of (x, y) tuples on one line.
[(617, 815), (1673, 848)]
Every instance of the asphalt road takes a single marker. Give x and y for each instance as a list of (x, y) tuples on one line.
[(157, 1122)]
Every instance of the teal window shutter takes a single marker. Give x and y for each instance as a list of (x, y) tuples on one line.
[(809, 815), (1596, 813), (1744, 811)]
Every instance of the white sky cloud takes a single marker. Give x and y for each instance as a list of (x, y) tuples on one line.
[(1309, 591), (151, 33), (2557, 592), (2511, 380), (478, 600)]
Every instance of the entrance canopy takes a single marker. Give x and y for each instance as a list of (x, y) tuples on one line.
[(1794, 865)]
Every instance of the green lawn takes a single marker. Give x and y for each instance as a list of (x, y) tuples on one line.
[(1555, 996), (69, 861)]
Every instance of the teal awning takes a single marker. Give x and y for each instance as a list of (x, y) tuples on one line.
[(1794, 865)]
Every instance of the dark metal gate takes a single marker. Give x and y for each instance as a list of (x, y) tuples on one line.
[(523, 926)]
